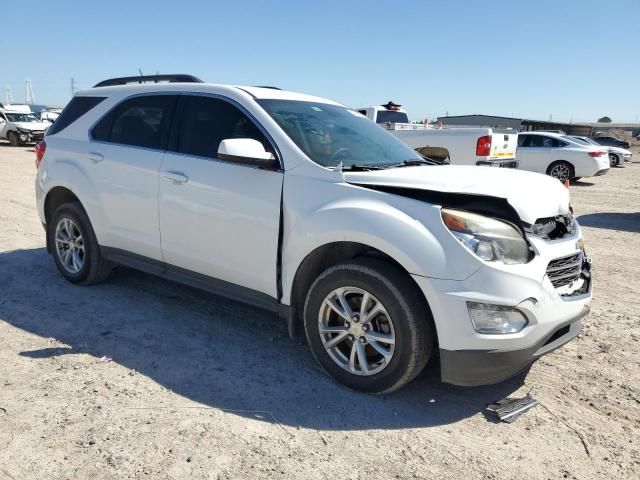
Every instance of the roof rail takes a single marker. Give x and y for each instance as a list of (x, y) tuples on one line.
[(171, 78), (267, 86)]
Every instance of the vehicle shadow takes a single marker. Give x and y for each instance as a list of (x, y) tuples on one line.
[(626, 222), (213, 351), (581, 183)]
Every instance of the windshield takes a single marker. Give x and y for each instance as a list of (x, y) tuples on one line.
[(330, 134), (386, 116), (21, 117)]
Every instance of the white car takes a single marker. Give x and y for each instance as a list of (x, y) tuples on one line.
[(299, 205), (617, 156), (559, 156), (21, 127)]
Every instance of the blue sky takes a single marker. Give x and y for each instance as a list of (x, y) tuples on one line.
[(574, 60)]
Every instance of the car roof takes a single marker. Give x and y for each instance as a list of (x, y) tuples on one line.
[(546, 134), (257, 93)]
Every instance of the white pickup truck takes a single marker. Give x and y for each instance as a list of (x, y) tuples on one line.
[(462, 146)]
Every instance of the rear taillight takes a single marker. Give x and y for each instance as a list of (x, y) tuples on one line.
[(596, 154), (41, 146), (483, 146)]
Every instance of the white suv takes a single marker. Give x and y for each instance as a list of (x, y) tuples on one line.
[(299, 205)]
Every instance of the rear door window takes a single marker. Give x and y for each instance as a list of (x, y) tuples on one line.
[(142, 121), (204, 122)]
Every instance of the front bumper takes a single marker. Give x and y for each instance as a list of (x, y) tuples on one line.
[(470, 368), (470, 358), (31, 136)]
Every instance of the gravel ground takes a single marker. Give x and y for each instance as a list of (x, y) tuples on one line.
[(202, 387)]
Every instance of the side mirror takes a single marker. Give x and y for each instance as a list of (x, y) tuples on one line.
[(246, 150)]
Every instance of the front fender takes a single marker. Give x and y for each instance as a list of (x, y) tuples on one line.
[(407, 230)]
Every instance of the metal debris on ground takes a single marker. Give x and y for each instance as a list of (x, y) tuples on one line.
[(508, 409)]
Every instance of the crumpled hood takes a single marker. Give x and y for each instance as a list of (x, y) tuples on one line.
[(36, 126), (532, 195)]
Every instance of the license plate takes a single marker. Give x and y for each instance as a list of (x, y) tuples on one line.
[(512, 164)]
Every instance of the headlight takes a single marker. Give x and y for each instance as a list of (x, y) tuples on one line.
[(488, 238)]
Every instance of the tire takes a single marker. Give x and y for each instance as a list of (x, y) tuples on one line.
[(14, 139), (561, 170), (93, 268), (614, 160), (404, 316)]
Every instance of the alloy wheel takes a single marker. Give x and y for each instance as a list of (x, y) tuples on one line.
[(356, 331), (561, 172), (69, 245)]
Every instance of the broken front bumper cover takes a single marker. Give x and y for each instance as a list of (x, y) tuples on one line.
[(470, 368)]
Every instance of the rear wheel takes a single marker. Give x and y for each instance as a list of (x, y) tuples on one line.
[(368, 326), (561, 170), (14, 139), (74, 246)]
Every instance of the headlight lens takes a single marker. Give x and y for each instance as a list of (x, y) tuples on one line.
[(490, 239)]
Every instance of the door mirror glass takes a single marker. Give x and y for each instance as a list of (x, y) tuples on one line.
[(245, 150)]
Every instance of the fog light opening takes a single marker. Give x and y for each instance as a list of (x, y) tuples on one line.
[(491, 319)]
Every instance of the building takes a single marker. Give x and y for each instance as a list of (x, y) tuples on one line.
[(632, 128), (518, 124)]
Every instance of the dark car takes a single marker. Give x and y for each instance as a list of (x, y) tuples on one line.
[(612, 142)]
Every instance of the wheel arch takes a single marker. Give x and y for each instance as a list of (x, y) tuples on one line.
[(325, 256), (558, 161)]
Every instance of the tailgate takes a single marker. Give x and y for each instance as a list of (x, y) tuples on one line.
[(503, 145)]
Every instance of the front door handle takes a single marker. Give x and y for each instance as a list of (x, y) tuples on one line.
[(95, 157), (177, 177)]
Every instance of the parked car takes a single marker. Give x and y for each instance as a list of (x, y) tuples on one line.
[(457, 145), (612, 142), (20, 127), (553, 154), (617, 155), (297, 204)]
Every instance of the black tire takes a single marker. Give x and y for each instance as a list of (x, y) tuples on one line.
[(95, 268), (614, 160), (408, 312), (14, 139), (562, 166)]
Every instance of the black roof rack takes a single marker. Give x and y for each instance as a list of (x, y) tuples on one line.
[(171, 78), (267, 86)]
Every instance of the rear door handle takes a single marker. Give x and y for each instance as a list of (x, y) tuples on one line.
[(177, 177), (95, 156)]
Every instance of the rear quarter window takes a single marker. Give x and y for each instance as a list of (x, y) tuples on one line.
[(76, 108)]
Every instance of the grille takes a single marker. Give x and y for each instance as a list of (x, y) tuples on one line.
[(564, 271), (552, 228)]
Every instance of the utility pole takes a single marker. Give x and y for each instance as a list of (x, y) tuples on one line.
[(73, 86), (29, 97), (8, 95)]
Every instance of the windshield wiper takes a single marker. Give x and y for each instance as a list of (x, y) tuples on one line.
[(361, 168), (414, 162)]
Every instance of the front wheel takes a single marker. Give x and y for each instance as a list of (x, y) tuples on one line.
[(561, 170), (614, 159), (14, 139), (368, 325)]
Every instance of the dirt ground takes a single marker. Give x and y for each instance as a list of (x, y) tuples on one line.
[(202, 387)]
